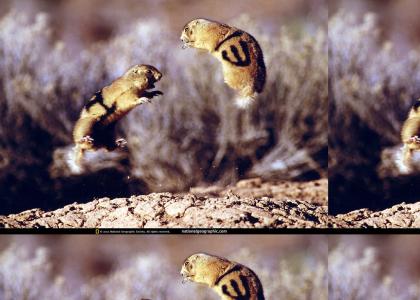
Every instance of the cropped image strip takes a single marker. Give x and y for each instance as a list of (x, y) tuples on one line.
[(163, 114)]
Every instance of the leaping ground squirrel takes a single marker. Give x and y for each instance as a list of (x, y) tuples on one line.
[(230, 280), (410, 134), (95, 127), (239, 52)]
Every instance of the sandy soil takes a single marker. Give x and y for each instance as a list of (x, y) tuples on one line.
[(251, 203)]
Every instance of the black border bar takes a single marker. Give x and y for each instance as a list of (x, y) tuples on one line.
[(204, 231)]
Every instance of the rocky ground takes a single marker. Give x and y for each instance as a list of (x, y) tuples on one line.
[(250, 203), (399, 216)]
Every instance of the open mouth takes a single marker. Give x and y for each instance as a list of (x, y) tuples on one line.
[(185, 278), (186, 43)]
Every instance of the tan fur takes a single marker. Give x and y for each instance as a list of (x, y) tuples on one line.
[(230, 280), (246, 76), (94, 128), (410, 133)]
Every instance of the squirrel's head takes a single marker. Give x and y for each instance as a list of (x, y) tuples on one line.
[(202, 34), (203, 268), (416, 104), (139, 74)]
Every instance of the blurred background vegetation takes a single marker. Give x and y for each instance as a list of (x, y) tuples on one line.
[(373, 267), (148, 266), (55, 54), (373, 79)]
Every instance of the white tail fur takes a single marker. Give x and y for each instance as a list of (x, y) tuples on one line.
[(71, 161), (399, 161), (244, 102)]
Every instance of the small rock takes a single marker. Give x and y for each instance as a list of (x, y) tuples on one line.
[(177, 209), (145, 210), (249, 183)]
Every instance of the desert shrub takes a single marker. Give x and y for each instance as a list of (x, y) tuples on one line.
[(146, 277), (192, 135), (28, 275), (298, 276), (371, 87), (357, 275)]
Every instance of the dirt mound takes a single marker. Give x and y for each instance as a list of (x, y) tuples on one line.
[(399, 216), (249, 204)]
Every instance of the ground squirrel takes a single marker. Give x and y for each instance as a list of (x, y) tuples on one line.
[(239, 52), (410, 134), (230, 280), (95, 127)]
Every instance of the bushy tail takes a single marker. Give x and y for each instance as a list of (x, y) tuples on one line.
[(244, 102), (402, 164), (73, 162)]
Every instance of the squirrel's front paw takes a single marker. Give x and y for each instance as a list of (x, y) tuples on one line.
[(87, 140), (121, 143), (143, 100), (146, 97), (414, 140), (155, 93)]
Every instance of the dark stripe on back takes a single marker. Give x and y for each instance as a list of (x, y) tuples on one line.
[(99, 99), (239, 61), (235, 34), (260, 295), (259, 286), (262, 73), (234, 269), (109, 111), (235, 286)]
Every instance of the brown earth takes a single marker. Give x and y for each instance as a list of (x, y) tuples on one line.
[(399, 216), (251, 203)]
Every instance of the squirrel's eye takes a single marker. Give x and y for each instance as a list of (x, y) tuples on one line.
[(186, 29)]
